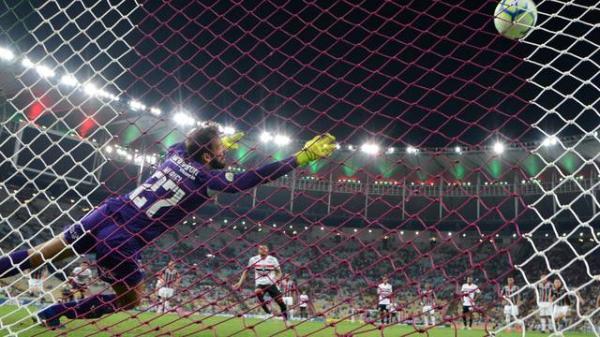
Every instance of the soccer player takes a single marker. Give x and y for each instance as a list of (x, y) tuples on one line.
[(384, 292), (121, 227), (36, 282), (428, 300), (169, 280), (304, 305), (290, 292), (267, 274), (512, 300), (544, 301), (560, 310), (80, 279), (470, 293)]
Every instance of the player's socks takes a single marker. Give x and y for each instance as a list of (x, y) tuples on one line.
[(14, 263), (470, 322), (465, 321), (92, 307), (432, 320), (283, 309), (543, 322)]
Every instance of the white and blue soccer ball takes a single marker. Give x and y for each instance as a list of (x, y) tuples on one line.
[(514, 19)]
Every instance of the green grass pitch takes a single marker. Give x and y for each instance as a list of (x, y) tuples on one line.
[(150, 324)]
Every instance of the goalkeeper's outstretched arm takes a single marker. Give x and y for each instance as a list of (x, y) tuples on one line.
[(317, 148)]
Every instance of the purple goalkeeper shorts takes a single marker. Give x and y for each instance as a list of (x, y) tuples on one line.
[(116, 249)]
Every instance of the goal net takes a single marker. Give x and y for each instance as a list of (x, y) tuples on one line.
[(463, 159)]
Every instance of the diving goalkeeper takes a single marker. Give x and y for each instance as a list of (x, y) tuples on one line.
[(121, 227)]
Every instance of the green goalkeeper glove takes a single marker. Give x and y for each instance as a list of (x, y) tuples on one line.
[(317, 148), (231, 142)]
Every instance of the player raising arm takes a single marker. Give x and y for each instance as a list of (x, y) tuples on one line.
[(267, 274), (121, 227)]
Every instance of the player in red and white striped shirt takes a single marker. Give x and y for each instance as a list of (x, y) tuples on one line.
[(169, 280), (290, 293), (428, 299), (544, 301), (512, 300)]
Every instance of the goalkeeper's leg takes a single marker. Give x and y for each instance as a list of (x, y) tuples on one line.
[(126, 297), (80, 236), (117, 268)]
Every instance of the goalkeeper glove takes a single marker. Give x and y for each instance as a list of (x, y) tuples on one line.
[(231, 142), (317, 148)]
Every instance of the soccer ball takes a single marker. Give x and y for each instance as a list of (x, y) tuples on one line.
[(515, 18)]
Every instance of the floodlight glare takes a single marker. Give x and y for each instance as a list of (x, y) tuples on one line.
[(266, 137), (155, 111), (281, 140), (6, 54), (183, 119), (69, 80), (370, 148), (412, 150), (550, 141), (44, 71), (136, 105), (227, 130), (498, 148)]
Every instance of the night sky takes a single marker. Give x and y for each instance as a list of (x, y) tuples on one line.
[(402, 73)]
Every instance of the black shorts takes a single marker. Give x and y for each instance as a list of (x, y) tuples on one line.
[(467, 309), (383, 307), (82, 287), (270, 289)]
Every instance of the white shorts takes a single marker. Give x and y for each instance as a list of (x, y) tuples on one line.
[(512, 310), (560, 311), (545, 308), (166, 292), (427, 309), (288, 300), (35, 284)]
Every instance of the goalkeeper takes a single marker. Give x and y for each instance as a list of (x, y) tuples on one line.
[(120, 227)]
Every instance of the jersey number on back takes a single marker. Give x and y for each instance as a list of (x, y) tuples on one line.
[(161, 182)]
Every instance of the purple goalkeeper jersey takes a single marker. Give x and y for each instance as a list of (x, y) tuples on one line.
[(179, 186)]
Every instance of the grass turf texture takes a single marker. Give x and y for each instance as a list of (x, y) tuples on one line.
[(151, 324)]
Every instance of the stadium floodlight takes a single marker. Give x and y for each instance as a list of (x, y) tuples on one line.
[(351, 147), (90, 89), (227, 130), (338, 146), (370, 148), (550, 141), (6, 54), (266, 137), (183, 119), (498, 148), (281, 140), (155, 111), (69, 80), (44, 71), (27, 63), (390, 150), (412, 150), (109, 149), (457, 149), (136, 105)]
